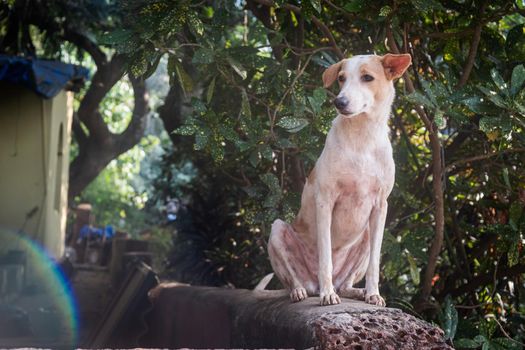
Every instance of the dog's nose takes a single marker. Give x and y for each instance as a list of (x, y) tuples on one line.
[(341, 102)]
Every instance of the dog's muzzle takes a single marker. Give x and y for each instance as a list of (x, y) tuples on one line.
[(341, 103)]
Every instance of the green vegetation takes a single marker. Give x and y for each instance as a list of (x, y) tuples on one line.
[(247, 117)]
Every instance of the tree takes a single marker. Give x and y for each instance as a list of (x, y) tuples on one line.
[(77, 23), (251, 76)]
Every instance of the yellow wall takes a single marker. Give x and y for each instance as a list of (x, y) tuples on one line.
[(33, 170)]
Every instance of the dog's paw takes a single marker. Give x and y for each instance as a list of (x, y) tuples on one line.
[(329, 298), (298, 294), (375, 299)]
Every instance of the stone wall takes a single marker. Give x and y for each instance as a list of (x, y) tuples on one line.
[(205, 317)]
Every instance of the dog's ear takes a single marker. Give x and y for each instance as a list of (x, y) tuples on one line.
[(395, 65), (330, 74)]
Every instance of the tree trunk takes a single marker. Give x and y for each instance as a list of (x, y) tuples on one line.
[(101, 146)]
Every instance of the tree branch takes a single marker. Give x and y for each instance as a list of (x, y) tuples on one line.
[(320, 25), (79, 133), (481, 280), (473, 50), (135, 130), (87, 45), (98, 150), (103, 80), (437, 185), (457, 163)]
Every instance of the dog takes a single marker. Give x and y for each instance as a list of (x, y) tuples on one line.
[(336, 237)]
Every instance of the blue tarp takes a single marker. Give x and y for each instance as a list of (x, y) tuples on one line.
[(44, 77)]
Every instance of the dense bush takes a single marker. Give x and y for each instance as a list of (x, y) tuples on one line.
[(251, 77)]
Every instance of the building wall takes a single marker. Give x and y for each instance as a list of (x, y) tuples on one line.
[(34, 164)]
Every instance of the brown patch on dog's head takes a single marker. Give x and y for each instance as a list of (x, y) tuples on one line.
[(331, 73), (379, 84), (395, 65)]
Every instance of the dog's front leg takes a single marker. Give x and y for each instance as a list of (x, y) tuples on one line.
[(377, 226), (327, 292)]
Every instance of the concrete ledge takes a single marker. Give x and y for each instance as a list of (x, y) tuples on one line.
[(205, 317)]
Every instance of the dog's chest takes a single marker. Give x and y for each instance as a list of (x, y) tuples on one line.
[(364, 171), (357, 184)]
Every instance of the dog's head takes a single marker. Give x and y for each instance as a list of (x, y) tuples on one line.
[(365, 81)]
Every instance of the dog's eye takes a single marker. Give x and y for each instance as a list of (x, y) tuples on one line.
[(367, 78), (341, 78)]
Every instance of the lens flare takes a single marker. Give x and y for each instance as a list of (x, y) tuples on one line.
[(37, 295)]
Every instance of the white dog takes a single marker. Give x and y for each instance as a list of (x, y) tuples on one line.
[(336, 238)]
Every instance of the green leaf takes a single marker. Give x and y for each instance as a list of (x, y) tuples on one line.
[(506, 344), (292, 124), (458, 116), (254, 158), (316, 4), (487, 329), (480, 338), (242, 145), (217, 153), (493, 97), (185, 130), (284, 143), (115, 37), (506, 177), (385, 11), (271, 181), (266, 152), (228, 133), (139, 65), (184, 78), (429, 92), (317, 100), (426, 6), (414, 272), (513, 254), (245, 104), (476, 104), (450, 315), (238, 68), (439, 119), (198, 106), (420, 99), (203, 56), (466, 343), (515, 43), (515, 212), (355, 6), (517, 79), (201, 140), (294, 19), (194, 23), (487, 124), (211, 89), (271, 201), (498, 80)]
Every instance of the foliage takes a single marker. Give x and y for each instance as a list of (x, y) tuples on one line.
[(116, 199), (259, 117)]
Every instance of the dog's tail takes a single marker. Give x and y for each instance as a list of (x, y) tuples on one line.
[(263, 283)]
